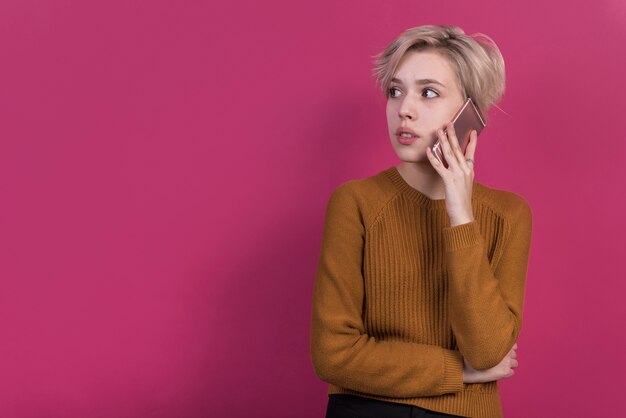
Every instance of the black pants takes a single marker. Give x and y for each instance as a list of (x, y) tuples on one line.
[(352, 406)]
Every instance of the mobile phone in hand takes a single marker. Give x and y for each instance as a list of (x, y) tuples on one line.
[(467, 118)]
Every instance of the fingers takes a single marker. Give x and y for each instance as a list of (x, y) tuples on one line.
[(512, 351), (446, 149), (512, 364), (513, 356), (452, 152), (470, 151), (452, 149), (434, 161)]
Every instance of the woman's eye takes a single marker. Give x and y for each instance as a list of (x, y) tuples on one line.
[(425, 90), (392, 91)]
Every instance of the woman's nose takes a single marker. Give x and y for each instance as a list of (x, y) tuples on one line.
[(407, 110)]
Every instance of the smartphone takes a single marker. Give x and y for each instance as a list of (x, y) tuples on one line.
[(466, 119)]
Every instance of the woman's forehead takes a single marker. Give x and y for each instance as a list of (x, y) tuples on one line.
[(424, 65)]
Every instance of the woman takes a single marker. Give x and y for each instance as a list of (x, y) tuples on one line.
[(418, 297)]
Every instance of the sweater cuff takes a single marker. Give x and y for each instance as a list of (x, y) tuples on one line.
[(453, 371), (461, 236)]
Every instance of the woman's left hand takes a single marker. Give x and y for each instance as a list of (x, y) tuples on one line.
[(459, 175)]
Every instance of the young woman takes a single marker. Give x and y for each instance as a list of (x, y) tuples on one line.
[(418, 297)]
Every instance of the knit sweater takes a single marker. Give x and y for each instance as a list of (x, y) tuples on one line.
[(401, 297)]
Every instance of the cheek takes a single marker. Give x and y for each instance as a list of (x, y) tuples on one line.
[(392, 108), (390, 113)]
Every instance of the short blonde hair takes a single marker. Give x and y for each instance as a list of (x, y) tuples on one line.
[(475, 58)]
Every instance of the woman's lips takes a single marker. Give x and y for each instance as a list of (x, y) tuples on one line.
[(405, 140)]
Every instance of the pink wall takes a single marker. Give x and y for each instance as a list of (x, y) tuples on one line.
[(164, 170)]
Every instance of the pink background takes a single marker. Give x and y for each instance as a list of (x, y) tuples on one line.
[(165, 167)]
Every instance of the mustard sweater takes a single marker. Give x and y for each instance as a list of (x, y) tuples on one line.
[(401, 297)]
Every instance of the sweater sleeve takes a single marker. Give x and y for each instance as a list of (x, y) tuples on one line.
[(485, 306), (343, 353)]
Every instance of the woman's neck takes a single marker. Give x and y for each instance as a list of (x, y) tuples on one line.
[(424, 178)]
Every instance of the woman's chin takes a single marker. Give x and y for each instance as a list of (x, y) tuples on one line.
[(411, 155)]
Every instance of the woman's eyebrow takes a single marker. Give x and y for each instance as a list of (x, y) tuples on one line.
[(421, 81)]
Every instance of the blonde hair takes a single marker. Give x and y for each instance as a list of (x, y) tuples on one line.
[(475, 58)]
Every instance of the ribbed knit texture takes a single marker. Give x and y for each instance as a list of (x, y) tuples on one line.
[(401, 297)]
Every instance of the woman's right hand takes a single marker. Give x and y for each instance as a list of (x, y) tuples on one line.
[(502, 371)]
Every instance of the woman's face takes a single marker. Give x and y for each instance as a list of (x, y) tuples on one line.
[(424, 95)]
